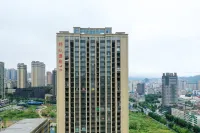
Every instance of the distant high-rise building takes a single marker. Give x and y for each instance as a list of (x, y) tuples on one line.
[(198, 85), (169, 89), (54, 82), (132, 84), (92, 81), (192, 86), (182, 84), (37, 74), (49, 78), (8, 74), (21, 75), (13, 74), (29, 76), (141, 88), (5, 72), (2, 89)]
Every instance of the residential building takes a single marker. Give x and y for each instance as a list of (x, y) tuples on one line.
[(2, 89), (12, 74), (21, 75), (54, 82), (132, 85), (10, 84), (198, 85), (177, 113), (182, 84), (190, 116), (36, 125), (192, 86), (169, 89), (37, 74), (5, 72), (49, 78), (141, 88), (29, 76), (92, 77)]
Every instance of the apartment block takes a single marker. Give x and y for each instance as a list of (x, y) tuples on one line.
[(140, 88), (37, 74), (92, 81), (169, 89), (21, 75), (2, 89), (49, 78)]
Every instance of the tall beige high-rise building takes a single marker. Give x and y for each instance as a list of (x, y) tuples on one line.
[(92, 81), (21, 75), (49, 78), (37, 74), (2, 89)]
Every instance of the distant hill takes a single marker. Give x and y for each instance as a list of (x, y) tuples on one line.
[(191, 79), (136, 78)]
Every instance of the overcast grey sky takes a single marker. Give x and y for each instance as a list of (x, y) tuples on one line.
[(164, 35)]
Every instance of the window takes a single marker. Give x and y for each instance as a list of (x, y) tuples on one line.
[(82, 41), (76, 30), (76, 54), (102, 31), (97, 31), (108, 53)]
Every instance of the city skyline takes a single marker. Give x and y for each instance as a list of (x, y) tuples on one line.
[(154, 32)]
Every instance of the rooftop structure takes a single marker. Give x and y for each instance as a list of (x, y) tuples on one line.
[(29, 126)]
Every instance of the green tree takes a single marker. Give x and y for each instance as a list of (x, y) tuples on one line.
[(169, 117), (196, 129), (52, 115), (171, 124)]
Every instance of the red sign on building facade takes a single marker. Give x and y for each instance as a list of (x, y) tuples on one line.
[(60, 55)]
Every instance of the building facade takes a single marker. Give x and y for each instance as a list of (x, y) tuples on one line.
[(11, 74), (54, 82), (2, 89), (192, 86), (141, 88), (192, 118), (178, 113), (189, 116), (92, 81), (132, 85), (37, 74), (169, 89), (49, 78), (182, 84), (21, 75)]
